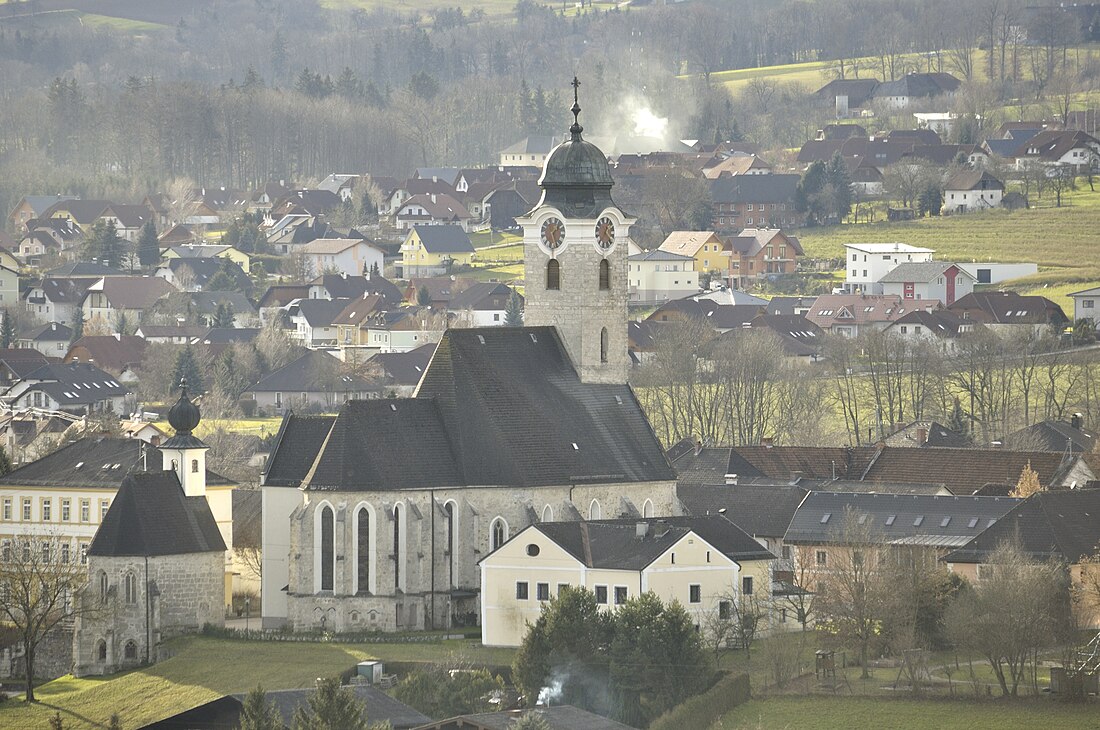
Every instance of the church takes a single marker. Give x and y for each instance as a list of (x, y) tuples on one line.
[(376, 518)]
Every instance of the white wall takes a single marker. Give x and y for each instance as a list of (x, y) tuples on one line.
[(277, 504)]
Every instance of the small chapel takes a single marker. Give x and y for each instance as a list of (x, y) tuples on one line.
[(156, 566), (376, 518)]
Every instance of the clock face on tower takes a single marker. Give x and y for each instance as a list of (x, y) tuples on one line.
[(553, 233), (605, 233)]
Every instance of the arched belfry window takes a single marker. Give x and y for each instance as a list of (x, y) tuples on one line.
[(605, 275), (553, 274), (603, 345)]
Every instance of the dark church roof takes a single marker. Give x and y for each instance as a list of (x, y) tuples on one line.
[(151, 516), (497, 406)]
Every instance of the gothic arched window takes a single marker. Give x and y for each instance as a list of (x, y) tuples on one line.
[(449, 508), (594, 510), (498, 533), (130, 652), (101, 650), (327, 548), (131, 588), (647, 509), (547, 514), (553, 274), (362, 558), (603, 344), (103, 585), (605, 275), (398, 548)]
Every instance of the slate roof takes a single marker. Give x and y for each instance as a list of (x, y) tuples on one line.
[(380, 707), (444, 239), (83, 212), (227, 335), (538, 144), (615, 545), (22, 361), (440, 206), (132, 292), (857, 90), (719, 316), (699, 466), (316, 371), (917, 271), (1051, 436), (279, 295), (1053, 144), (206, 268), (484, 295), (151, 516), (82, 269), (64, 290), (319, 312), (764, 510), (340, 286), (40, 203), (799, 336), (91, 462), (1063, 525), (1009, 307), (75, 383), (917, 85), (940, 322), (499, 406), (896, 518), (657, 254), (787, 305), (358, 309), (855, 309), (973, 180), (296, 446), (48, 333), (754, 188)]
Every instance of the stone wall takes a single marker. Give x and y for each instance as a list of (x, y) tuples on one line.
[(172, 595), (429, 598)]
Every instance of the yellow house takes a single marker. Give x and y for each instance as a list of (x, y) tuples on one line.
[(431, 250), (705, 247), (704, 563), (190, 250)]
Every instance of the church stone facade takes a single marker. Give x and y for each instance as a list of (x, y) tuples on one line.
[(376, 518)]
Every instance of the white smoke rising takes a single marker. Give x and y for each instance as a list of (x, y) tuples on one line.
[(648, 124), (550, 693)]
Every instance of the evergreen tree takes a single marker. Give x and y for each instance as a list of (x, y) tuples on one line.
[(513, 313), (7, 331), (957, 420), (841, 183), (252, 81), (223, 315), (374, 269), (930, 199), (331, 707), (148, 246), (103, 244), (808, 196), (259, 276), (257, 714), (5, 462), (423, 296), (122, 323), (188, 368), (78, 326)]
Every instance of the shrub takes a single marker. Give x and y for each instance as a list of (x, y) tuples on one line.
[(708, 708)]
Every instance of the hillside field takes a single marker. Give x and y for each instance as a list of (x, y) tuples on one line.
[(1065, 241)]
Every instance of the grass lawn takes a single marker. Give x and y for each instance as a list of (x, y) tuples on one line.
[(205, 668), (506, 254), (256, 426), (126, 25), (484, 239), (859, 713)]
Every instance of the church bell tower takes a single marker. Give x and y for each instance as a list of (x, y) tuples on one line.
[(184, 453), (575, 245)]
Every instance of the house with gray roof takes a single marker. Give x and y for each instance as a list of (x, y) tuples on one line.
[(31, 207), (927, 281), (76, 387), (314, 381)]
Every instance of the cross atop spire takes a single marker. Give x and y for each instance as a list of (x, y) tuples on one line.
[(576, 129)]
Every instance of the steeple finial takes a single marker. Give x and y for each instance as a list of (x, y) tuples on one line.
[(576, 129), (183, 387)]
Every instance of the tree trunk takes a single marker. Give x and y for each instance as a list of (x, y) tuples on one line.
[(28, 655)]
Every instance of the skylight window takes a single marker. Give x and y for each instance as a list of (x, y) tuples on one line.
[(79, 464), (890, 520), (917, 522), (575, 447), (946, 521), (825, 517), (973, 523)]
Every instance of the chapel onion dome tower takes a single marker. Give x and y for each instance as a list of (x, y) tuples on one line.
[(576, 178), (184, 453)]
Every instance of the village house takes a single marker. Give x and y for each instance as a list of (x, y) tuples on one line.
[(721, 317), (1059, 526), (432, 209), (195, 274), (169, 334), (1008, 312), (657, 276), (112, 297), (46, 238), (9, 287), (50, 339), (395, 197), (1052, 435), (704, 563), (850, 315), (528, 152), (914, 87), (79, 388), (206, 251), (347, 255), (867, 263), (312, 321), (483, 304), (316, 381), (758, 254), (31, 207), (848, 97), (968, 190), (119, 355), (1085, 305), (1077, 151), (755, 201), (435, 291), (940, 281), (705, 247), (402, 330), (350, 286), (433, 250), (16, 363), (940, 327), (351, 333)]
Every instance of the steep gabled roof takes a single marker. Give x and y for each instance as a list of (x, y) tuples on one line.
[(1062, 525), (754, 188), (483, 295), (1008, 307), (48, 333), (297, 444), (316, 371), (1051, 436), (75, 383), (319, 312), (132, 292), (973, 180), (761, 510), (405, 368), (343, 286), (114, 352), (151, 516), (919, 271), (444, 239)]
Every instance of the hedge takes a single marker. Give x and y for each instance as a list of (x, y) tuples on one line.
[(702, 711)]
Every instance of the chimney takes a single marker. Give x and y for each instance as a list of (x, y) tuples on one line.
[(343, 274), (433, 197), (118, 336), (697, 447), (731, 480), (922, 436), (1076, 421), (435, 178), (767, 442), (641, 529)]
